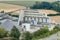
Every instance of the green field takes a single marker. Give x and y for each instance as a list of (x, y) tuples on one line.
[(23, 3)]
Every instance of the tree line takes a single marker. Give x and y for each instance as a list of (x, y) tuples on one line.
[(47, 5)]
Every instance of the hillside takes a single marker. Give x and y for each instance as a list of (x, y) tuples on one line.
[(10, 7), (23, 3), (30, 0)]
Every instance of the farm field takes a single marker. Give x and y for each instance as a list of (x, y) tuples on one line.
[(23, 3), (10, 7), (47, 11)]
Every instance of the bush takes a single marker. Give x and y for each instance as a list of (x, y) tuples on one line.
[(57, 27), (3, 33), (0, 22), (40, 32), (28, 36), (44, 32), (34, 38), (15, 33), (14, 38), (14, 15)]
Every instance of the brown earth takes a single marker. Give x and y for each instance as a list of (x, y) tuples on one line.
[(48, 11), (55, 19), (10, 7)]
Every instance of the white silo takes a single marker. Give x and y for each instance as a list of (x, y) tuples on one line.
[(21, 15)]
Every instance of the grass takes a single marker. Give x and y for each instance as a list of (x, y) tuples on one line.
[(3, 5), (23, 3)]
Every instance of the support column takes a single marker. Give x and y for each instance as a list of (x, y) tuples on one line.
[(25, 18), (38, 19), (46, 20), (35, 18), (29, 18), (42, 20)]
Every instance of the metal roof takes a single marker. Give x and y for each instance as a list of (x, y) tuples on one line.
[(8, 24)]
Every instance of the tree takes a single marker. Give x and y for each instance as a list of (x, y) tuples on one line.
[(15, 33), (28, 36), (0, 22), (45, 5), (3, 33), (34, 38), (42, 5), (36, 5), (41, 32), (56, 6)]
